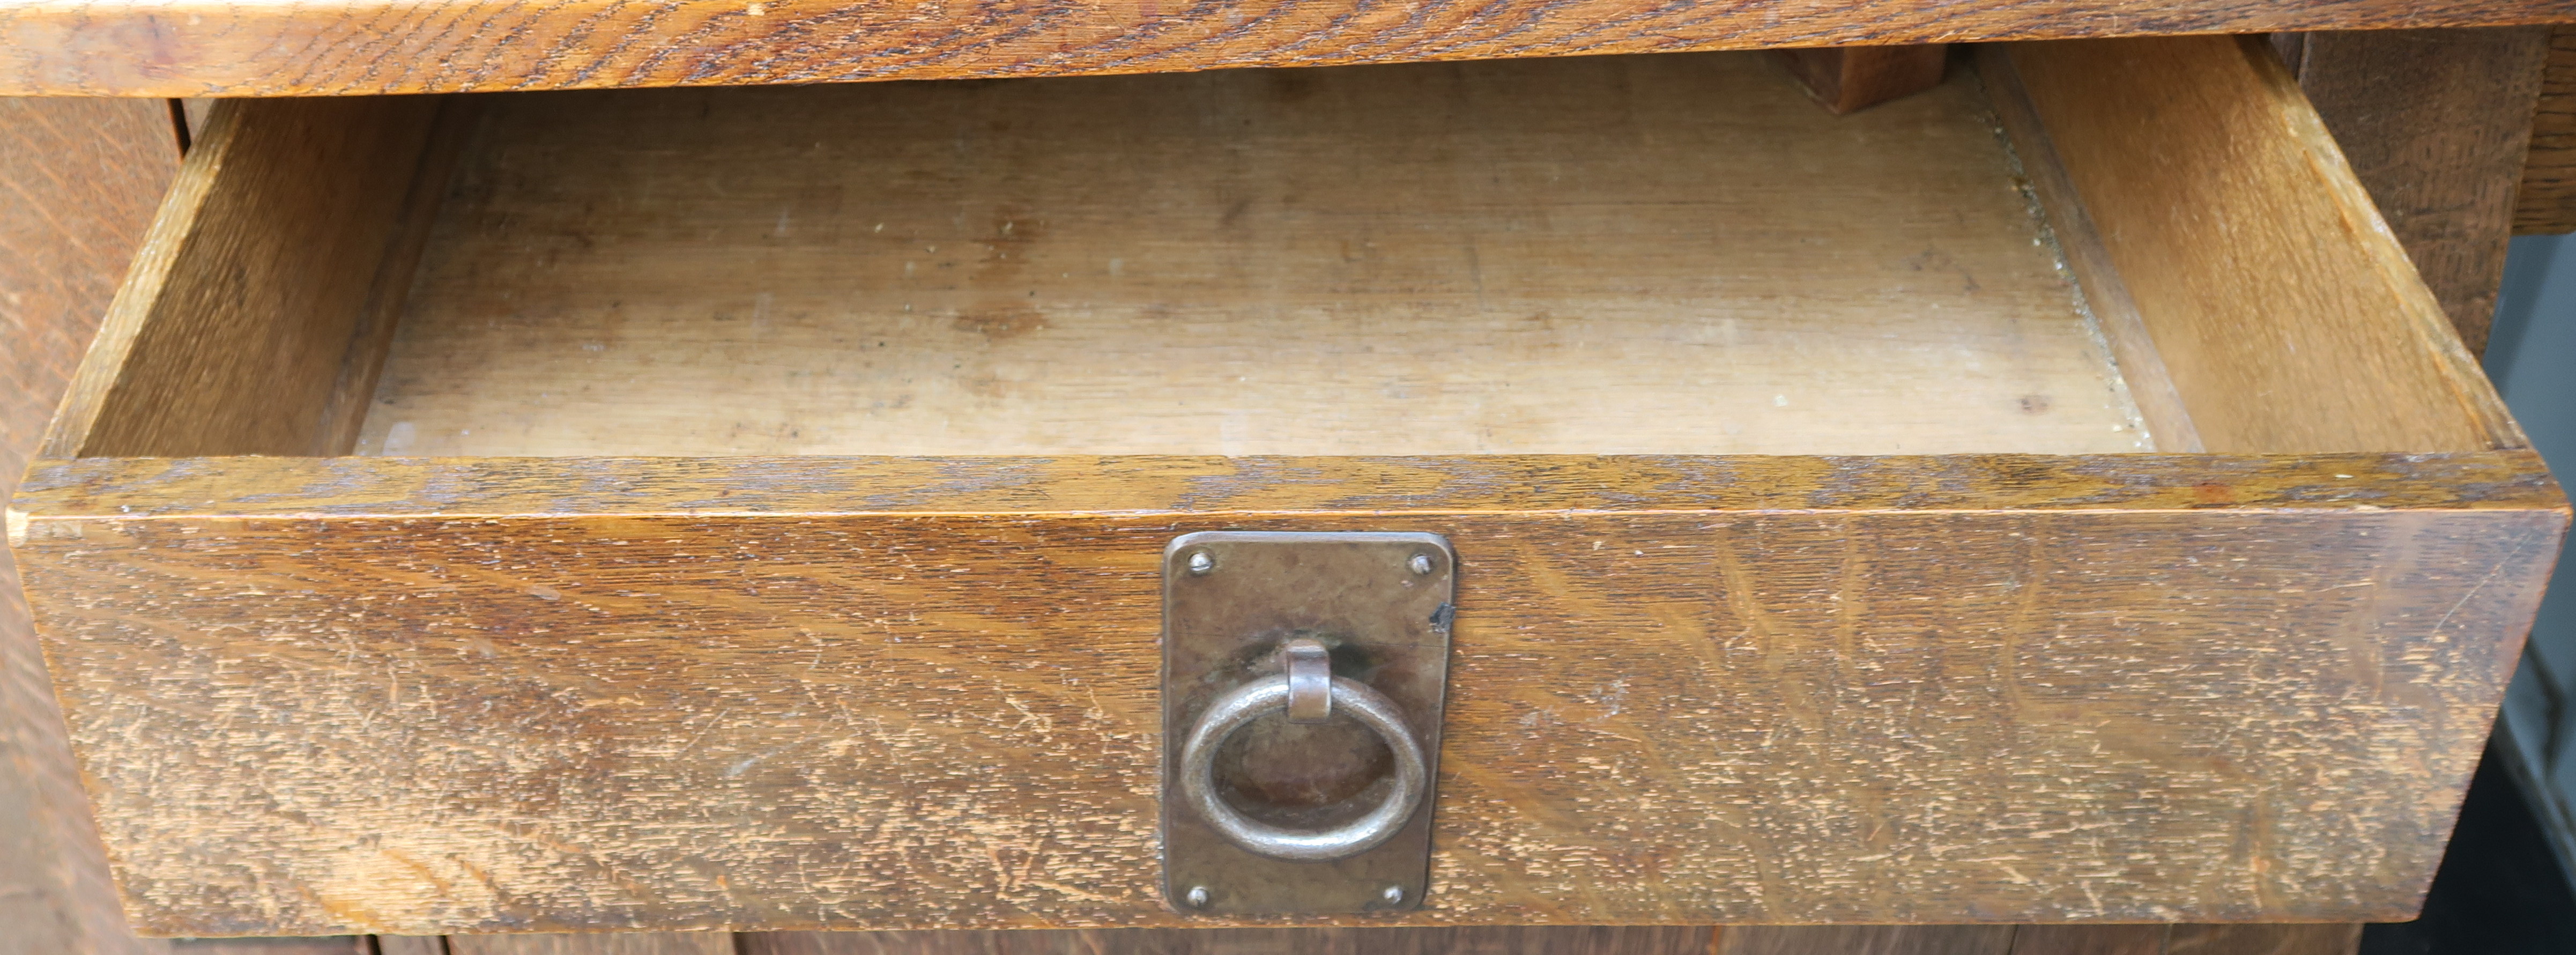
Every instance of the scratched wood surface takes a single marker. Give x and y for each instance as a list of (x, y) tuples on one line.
[(519, 694), (1799, 706), (208, 48), (1672, 254)]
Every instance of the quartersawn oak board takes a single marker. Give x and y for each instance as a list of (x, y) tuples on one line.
[(678, 693), (212, 48), (1572, 256), (498, 694)]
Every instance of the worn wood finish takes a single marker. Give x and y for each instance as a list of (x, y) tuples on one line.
[(59, 495), (2436, 124), (1843, 79), (820, 717), (2095, 940), (1613, 255), (596, 943), (2104, 295), (81, 178), (2263, 940), (2546, 202), (1480, 940), (204, 48), (1866, 940), (254, 290), (2242, 238), (530, 694)]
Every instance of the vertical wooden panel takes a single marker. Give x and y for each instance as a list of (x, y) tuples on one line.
[(2546, 202), (2263, 940), (1866, 940), (78, 182), (2090, 939), (2436, 124)]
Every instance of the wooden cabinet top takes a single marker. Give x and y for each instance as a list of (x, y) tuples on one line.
[(339, 47)]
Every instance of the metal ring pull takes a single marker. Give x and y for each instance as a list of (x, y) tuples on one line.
[(1251, 701)]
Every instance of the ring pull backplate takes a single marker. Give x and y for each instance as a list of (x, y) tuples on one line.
[(1303, 676)]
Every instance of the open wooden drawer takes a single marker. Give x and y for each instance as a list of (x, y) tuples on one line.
[(742, 507)]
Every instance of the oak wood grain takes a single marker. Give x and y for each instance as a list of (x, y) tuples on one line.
[(2263, 940), (1866, 940), (2093, 940), (2437, 125), (207, 48), (1847, 78), (585, 693), (252, 291), (1487, 940), (81, 179), (1611, 255), (2545, 204), (595, 943), (2281, 303), (626, 713), (2104, 294)]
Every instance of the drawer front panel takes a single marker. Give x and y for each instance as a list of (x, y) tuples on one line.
[(1997, 705)]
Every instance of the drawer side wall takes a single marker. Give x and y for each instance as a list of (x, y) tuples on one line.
[(256, 314), (2285, 311)]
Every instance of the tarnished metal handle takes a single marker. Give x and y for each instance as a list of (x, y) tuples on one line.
[(1259, 698)]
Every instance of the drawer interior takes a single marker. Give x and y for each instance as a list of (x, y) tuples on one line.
[(1664, 255), (1674, 254)]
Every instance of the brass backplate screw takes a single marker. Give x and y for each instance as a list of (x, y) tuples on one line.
[(1201, 563)]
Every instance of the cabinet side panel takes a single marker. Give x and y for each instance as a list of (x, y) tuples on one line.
[(843, 721), (2288, 316), (83, 176)]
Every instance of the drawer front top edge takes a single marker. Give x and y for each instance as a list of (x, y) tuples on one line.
[(254, 487)]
